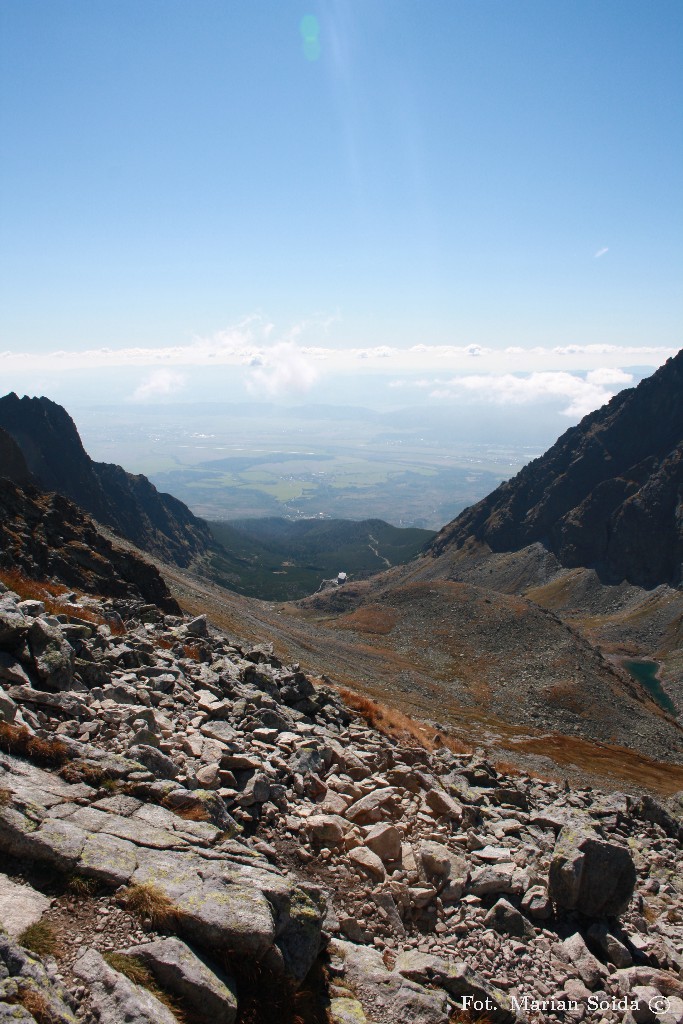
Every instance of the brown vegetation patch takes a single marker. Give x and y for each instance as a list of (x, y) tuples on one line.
[(610, 761), (371, 618), (36, 1004), (16, 739), (149, 902)]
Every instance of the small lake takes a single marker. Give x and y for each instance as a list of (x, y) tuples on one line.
[(645, 672)]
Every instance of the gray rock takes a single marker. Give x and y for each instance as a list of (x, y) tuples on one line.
[(19, 968), (115, 998), (12, 671), (159, 764), (443, 868), (574, 951), (401, 999), (458, 980), (589, 875), (504, 918), (53, 656), (614, 951), (197, 627), (8, 709), (13, 625), (491, 878), (208, 992), (536, 903), (20, 906)]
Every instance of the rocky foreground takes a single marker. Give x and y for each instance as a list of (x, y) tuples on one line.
[(190, 830)]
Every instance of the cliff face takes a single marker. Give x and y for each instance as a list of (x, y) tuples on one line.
[(608, 494), (47, 537), (129, 504), (12, 462)]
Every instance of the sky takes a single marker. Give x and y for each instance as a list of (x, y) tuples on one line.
[(393, 202)]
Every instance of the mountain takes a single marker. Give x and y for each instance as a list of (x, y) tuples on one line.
[(128, 503), (47, 537), (608, 495)]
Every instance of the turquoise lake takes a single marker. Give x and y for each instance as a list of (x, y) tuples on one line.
[(645, 672)]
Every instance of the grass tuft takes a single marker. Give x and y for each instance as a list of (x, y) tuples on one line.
[(81, 886), (148, 901), (41, 938)]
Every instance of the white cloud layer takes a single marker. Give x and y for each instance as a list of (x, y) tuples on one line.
[(251, 343), (159, 384), (584, 394)]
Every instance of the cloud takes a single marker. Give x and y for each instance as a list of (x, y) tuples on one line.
[(584, 394), (283, 370), (600, 252), (159, 384)]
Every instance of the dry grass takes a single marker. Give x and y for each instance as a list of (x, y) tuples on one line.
[(15, 739), (148, 901), (5, 797), (92, 774), (391, 722), (52, 596), (467, 1017), (41, 938), (37, 1005), (133, 969), (193, 812), (369, 618), (81, 886), (192, 651)]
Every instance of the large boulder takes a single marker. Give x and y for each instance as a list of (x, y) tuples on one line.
[(590, 875), (53, 655), (208, 993), (115, 998)]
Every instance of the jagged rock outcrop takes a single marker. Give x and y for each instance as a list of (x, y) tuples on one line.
[(223, 818), (12, 462), (608, 494), (47, 536), (128, 503)]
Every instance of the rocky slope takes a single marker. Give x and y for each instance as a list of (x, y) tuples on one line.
[(46, 536), (129, 504), (197, 827), (607, 495)]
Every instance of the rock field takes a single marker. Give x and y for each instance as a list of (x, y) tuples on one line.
[(203, 833)]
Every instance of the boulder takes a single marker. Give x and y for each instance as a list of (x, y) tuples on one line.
[(368, 862), (208, 993), (574, 951), (507, 920), (20, 906), (443, 868), (53, 656), (385, 841), (115, 998), (459, 980), (590, 875)]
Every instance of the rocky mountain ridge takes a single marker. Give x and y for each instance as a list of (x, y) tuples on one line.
[(607, 495), (127, 503), (177, 803)]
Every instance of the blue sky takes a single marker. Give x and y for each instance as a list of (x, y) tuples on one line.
[(284, 199)]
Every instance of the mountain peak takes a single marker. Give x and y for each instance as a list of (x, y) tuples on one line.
[(607, 495)]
